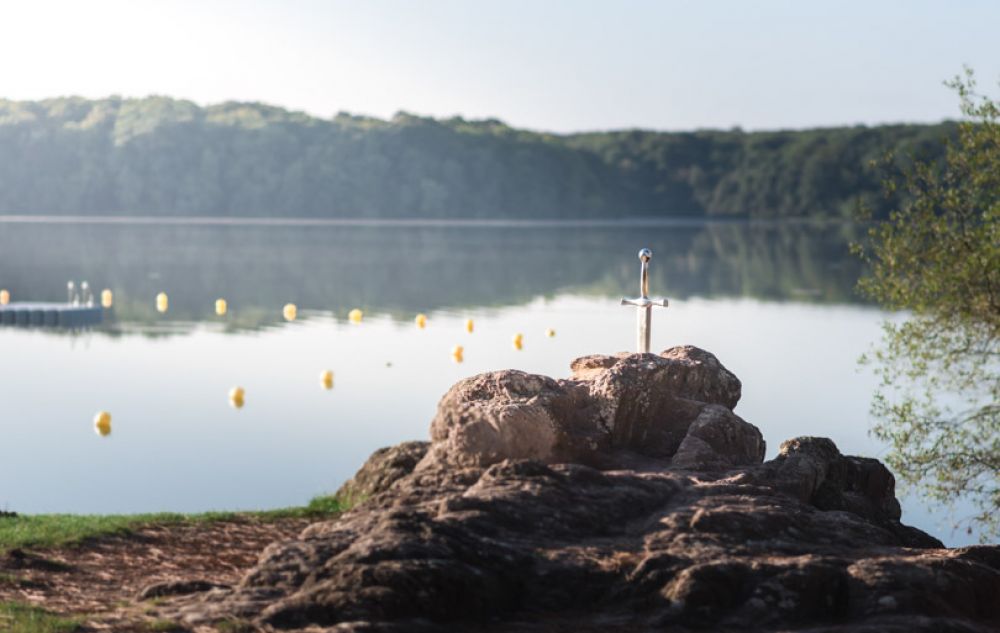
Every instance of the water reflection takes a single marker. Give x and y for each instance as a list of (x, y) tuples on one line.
[(402, 271)]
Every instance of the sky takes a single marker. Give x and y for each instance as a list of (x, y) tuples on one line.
[(558, 65)]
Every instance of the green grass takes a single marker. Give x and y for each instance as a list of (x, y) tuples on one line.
[(54, 530), (16, 617), (21, 618)]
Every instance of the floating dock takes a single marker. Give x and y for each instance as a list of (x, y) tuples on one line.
[(50, 314)]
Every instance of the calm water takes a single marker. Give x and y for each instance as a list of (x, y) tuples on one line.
[(775, 303)]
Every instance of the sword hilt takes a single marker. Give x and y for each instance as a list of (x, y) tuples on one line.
[(644, 256), (644, 303)]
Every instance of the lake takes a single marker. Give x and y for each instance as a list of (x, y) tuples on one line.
[(775, 302)]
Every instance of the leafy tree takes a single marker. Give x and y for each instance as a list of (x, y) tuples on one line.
[(937, 257)]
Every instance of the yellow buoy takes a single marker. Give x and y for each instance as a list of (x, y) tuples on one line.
[(221, 307), (469, 326), (290, 311), (326, 379), (550, 332), (518, 341), (102, 423), (162, 303), (421, 321), (236, 397), (457, 353), (355, 315), (107, 298), (4, 297)]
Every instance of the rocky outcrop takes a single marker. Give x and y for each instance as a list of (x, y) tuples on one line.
[(628, 498), (177, 588), (383, 468), (717, 438), (615, 411)]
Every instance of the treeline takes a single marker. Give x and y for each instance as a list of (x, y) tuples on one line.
[(160, 156)]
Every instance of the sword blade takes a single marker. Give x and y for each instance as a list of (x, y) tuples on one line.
[(645, 325)]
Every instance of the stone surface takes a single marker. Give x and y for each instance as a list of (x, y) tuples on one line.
[(718, 438), (177, 588), (383, 468), (546, 505), (490, 417), (612, 411)]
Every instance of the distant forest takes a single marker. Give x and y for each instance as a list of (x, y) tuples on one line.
[(166, 157)]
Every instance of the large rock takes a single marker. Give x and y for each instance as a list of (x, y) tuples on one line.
[(613, 410), (491, 417), (503, 526)]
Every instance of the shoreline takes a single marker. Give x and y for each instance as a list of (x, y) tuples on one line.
[(248, 221)]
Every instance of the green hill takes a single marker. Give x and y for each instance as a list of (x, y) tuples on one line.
[(165, 157)]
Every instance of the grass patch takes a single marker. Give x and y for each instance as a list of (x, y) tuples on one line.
[(327, 505), (21, 618), (55, 530)]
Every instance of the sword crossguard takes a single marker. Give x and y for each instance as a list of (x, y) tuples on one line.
[(644, 303)]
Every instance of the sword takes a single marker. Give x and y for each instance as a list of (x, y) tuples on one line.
[(644, 304)]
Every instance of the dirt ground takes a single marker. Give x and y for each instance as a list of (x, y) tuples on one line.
[(100, 579)]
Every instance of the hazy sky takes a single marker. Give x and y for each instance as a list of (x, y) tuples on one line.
[(545, 64)]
